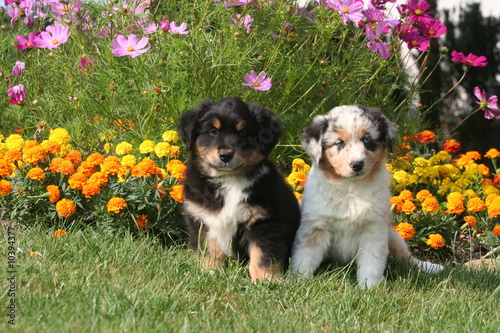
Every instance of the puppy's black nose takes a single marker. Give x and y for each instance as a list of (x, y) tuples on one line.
[(226, 155), (357, 166)]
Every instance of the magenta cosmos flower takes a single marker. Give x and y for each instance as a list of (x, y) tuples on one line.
[(432, 28), (415, 12), (26, 43), (469, 60), (415, 41), (18, 68), (17, 94), (236, 3), (257, 81), (489, 105), (130, 46), (52, 37), (376, 44)]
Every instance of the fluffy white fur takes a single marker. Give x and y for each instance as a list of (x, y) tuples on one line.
[(346, 214)]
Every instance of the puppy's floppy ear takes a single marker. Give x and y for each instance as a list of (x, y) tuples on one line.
[(270, 129), (313, 136), (386, 128), (190, 122)]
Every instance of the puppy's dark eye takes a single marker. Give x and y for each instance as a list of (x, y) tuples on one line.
[(242, 133), (366, 139), (339, 143), (213, 132)]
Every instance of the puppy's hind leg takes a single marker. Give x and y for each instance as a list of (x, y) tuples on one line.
[(399, 250), (309, 251)]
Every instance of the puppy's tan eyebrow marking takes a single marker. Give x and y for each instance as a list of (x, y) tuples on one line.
[(216, 123), (362, 131), (240, 125)]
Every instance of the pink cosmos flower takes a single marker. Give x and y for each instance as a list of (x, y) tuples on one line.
[(26, 44), (349, 9), (165, 25), (376, 44), (178, 30), (130, 46), (415, 41), (489, 105), (17, 70), (236, 3), (380, 4), (469, 60), (257, 81), (151, 28), (432, 28), (17, 94), (244, 22), (52, 37)]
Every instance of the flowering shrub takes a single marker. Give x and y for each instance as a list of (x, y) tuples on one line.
[(131, 187)]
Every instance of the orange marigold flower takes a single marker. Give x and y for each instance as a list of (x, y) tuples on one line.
[(408, 207), (87, 168), (435, 241), (90, 189), (116, 204), (6, 168), (146, 167), (51, 146), (95, 159), (489, 199), (142, 220), (463, 160), (5, 187), (473, 155), (111, 165), (451, 146), (99, 178), (74, 156), (177, 193), (77, 180), (423, 194), (65, 208), (496, 179), (496, 230), (36, 174), (494, 207), (406, 230), (397, 202), (297, 178), (54, 193), (492, 153), (406, 195), (430, 205), (410, 138), (475, 205), (426, 137), (59, 233), (13, 155), (471, 221), (485, 171), (30, 144), (455, 207), (34, 155)]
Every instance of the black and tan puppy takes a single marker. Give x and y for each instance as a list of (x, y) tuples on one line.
[(236, 203)]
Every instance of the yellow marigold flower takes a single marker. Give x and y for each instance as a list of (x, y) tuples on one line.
[(177, 169), (490, 189), (475, 205), (420, 161), (492, 153), (51, 146), (6, 168), (489, 198), (95, 159), (406, 195), (408, 207), (162, 149), (116, 204), (435, 241), (54, 193), (65, 149), (423, 194), (74, 156), (65, 208), (14, 142), (473, 155), (440, 158), (142, 220), (471, 221), (496, 230), (455, 196), (470, 193), (108, 147), (59, 232), (77, 180), (494, 207), (397, 203), (123, 148), (175, 152), (170, 136), (90, 189), (129, 161), (297, 178), (34, 155), (177, 193), (147, 147), (60, 135), (12, 156), (406, 230), (5, 187), (464, 160), (402, 177), (430, 205), (36, 174), (111, 165), (298, 195), (99, 178), (463, 182)]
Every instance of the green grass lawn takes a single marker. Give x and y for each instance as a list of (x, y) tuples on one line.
[(90, 282)]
